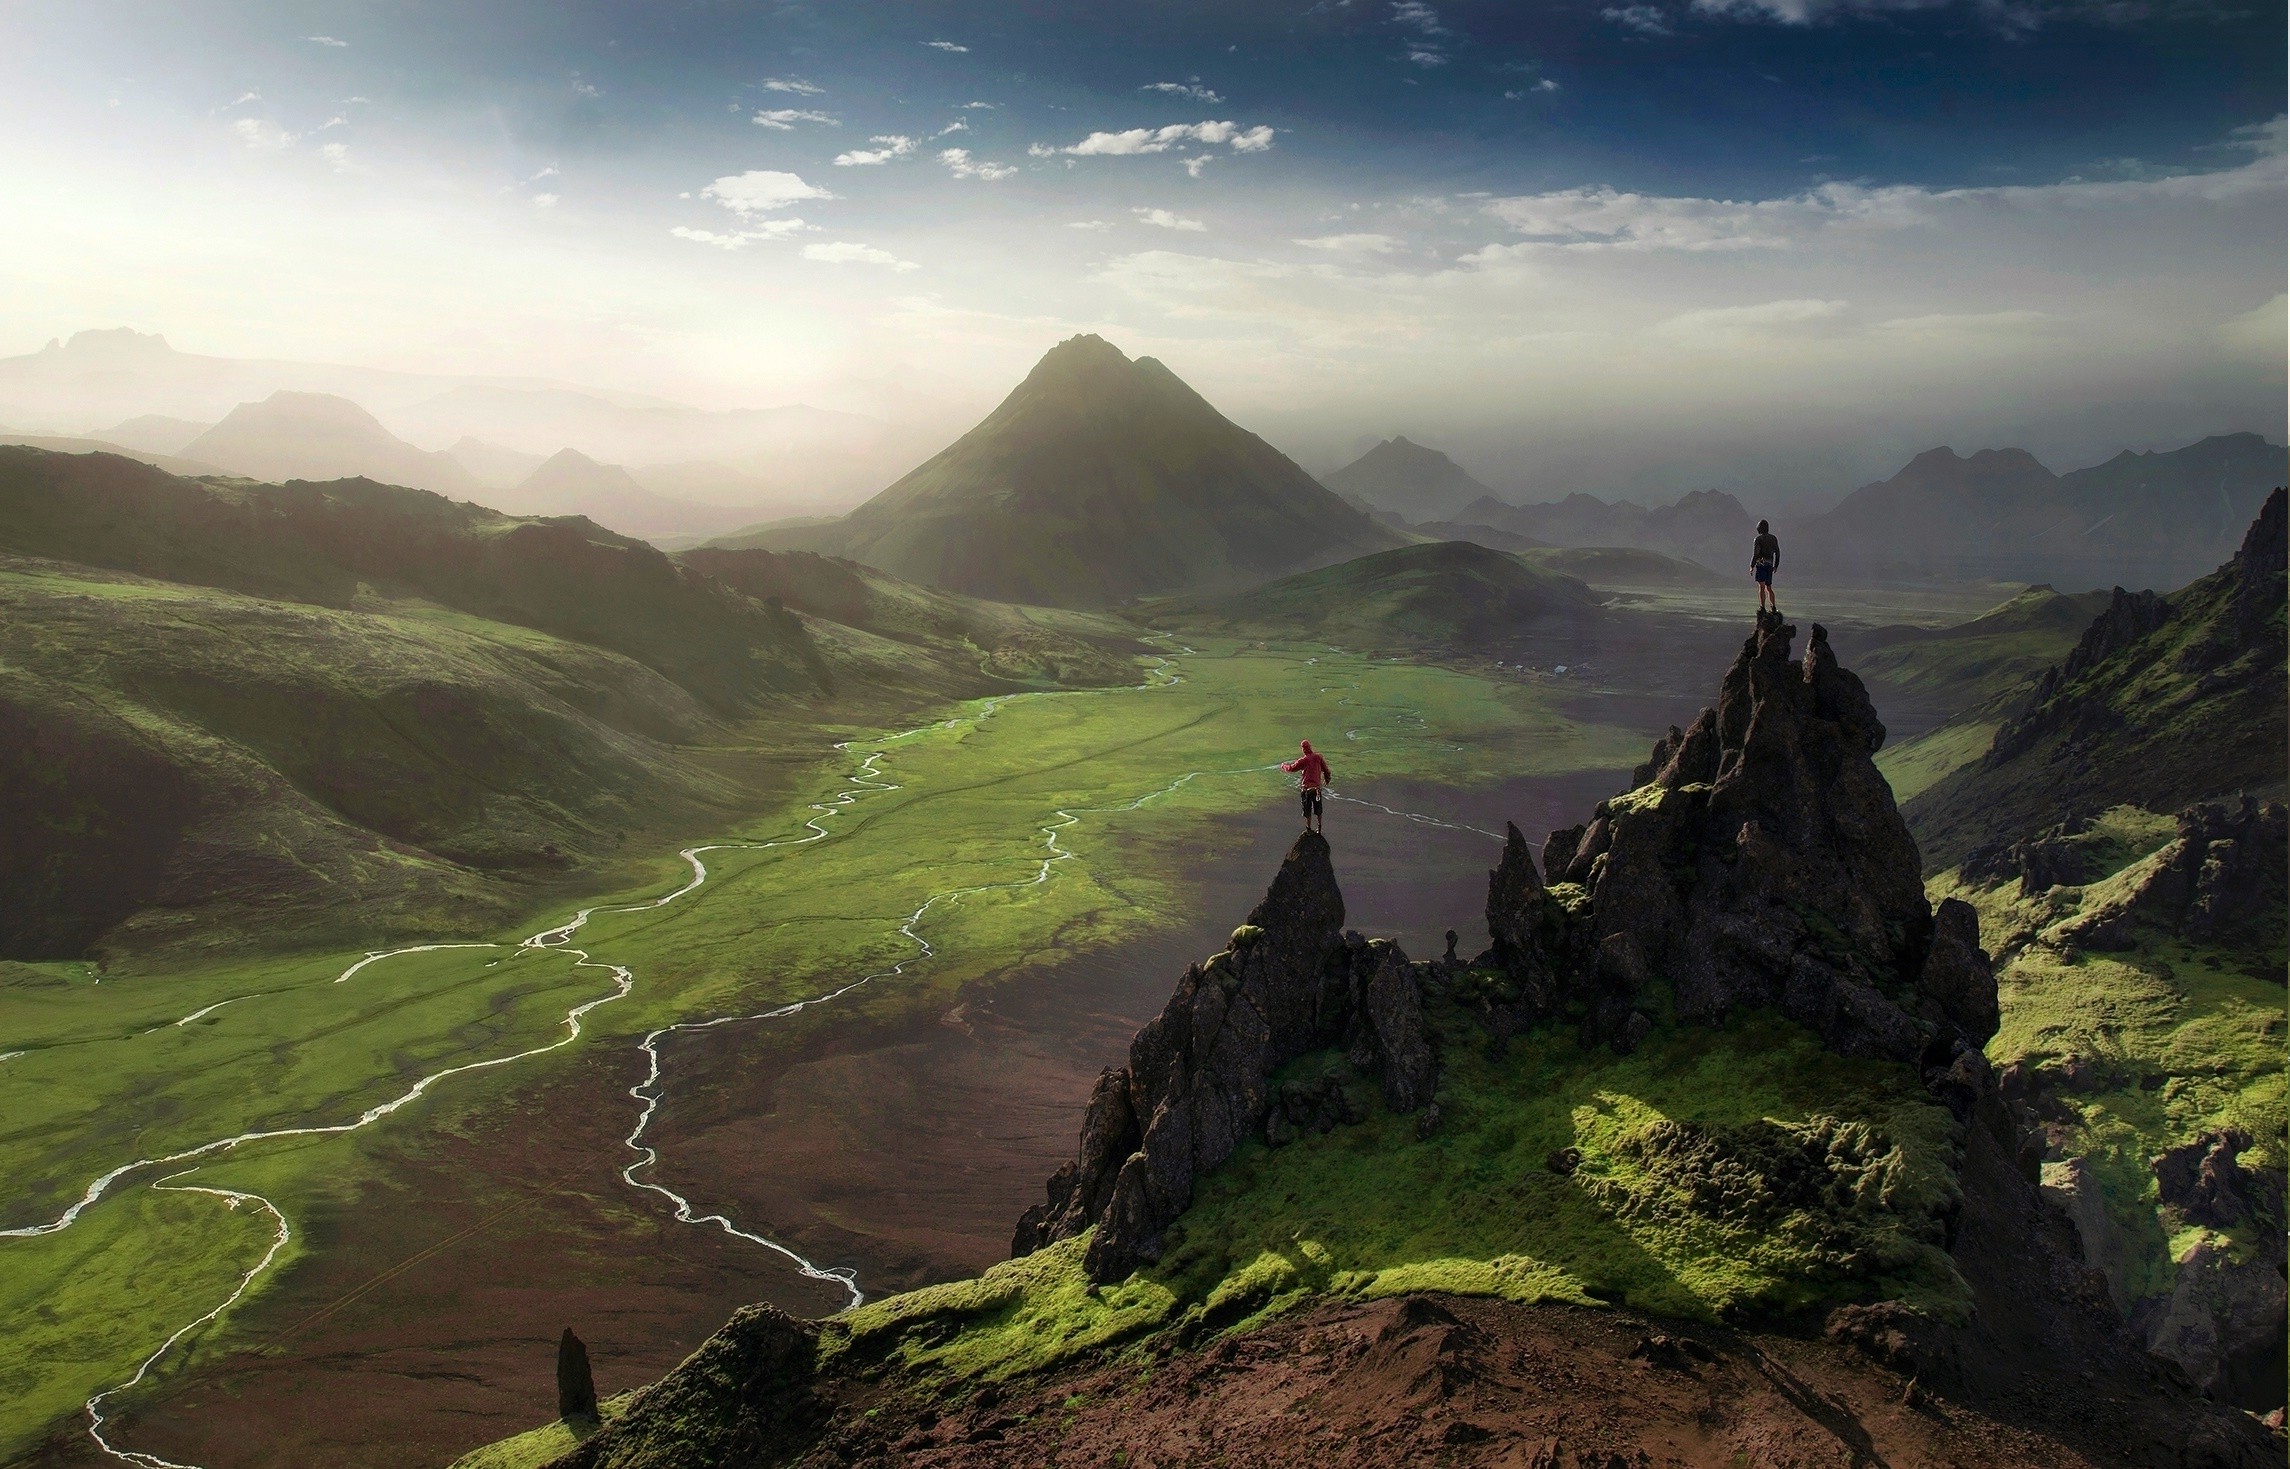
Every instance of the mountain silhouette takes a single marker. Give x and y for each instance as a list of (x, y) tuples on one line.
[(1099, 478), (317, 436), (1399, 474)]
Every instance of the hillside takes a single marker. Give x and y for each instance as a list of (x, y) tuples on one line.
[(334, 713), (1967, 677), (317, 436), (2163, 702), (1419, 483), (876, 626), (1098, 479), (1622, 566), (1446, 594), (1549, 1205), (322, 543)]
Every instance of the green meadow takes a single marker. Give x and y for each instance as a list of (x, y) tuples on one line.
[(1034, 824)]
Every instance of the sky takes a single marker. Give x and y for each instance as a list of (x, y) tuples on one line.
[(1629, 248)]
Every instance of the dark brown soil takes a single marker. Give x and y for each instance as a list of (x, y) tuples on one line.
[(1436, 1380)]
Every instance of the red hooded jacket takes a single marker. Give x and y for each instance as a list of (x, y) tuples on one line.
[(1310, 766)]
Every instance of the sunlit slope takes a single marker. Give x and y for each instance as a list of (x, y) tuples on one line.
[(195, 766), (1978, 670), (865, 619), (2163, 701), (330, 544), (1098, 479)]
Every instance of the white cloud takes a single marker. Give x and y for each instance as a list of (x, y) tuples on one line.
[(1134, 141), (337, 156), (544, 201), (1763, 317), (261, 132), (847, 253), (980, 107), (1194, 165), (761, 191), (334, 122), (1369, 244), (796, 85), (585, 89), (895, 145), (1545, 85), (1192, 89), (956, 126), (1089, 224), (1421, 16), (1165, 220), (242, 99), (945, 46), (2004, 14), (1646, 20), (1425, 56), (784, 119), (326, 40), (959, 163), (762, 229)]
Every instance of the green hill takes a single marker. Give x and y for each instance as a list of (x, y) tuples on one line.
[(331, 543), (235, 713), (1624, 566), (2163, 702), (1444, 594), (1098, 479)]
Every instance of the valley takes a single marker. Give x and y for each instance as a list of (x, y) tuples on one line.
[(968, 825)]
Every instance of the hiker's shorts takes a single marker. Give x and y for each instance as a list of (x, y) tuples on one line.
[(1764, 574), (1311, 796)]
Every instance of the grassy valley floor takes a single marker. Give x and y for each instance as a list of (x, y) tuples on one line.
[(1049, 826)]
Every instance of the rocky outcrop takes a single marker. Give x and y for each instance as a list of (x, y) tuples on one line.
[(749, 1395), (2221, 878), (2226, 1320), (1200, 1078), (576, 1385), (1760, 861)]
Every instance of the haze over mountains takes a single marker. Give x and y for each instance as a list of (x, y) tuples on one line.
[(780, 454), (1099, 478)]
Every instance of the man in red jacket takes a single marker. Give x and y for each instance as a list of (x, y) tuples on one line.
[(1313, 772)]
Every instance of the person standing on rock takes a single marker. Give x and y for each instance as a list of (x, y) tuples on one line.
[(1764, 560), (1312, 771)]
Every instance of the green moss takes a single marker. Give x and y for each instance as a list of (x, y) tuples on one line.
[(532, 1449), (1372, 1210)]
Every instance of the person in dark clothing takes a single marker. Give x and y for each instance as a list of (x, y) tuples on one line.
[(1764, 559), (1312, 774)]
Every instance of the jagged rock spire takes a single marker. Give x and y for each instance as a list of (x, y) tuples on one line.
[(576, 1385), (1199, 1078), (1761, 861)]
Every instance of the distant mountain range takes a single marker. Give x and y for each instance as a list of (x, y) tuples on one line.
[(1402, 476), (2155, 519), (2138, 520), (794, 455), (1098, 479)]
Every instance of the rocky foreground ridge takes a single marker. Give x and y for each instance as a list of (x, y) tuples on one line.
[(1758, 864)]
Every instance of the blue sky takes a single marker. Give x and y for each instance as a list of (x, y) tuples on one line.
[(1595, 245)]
